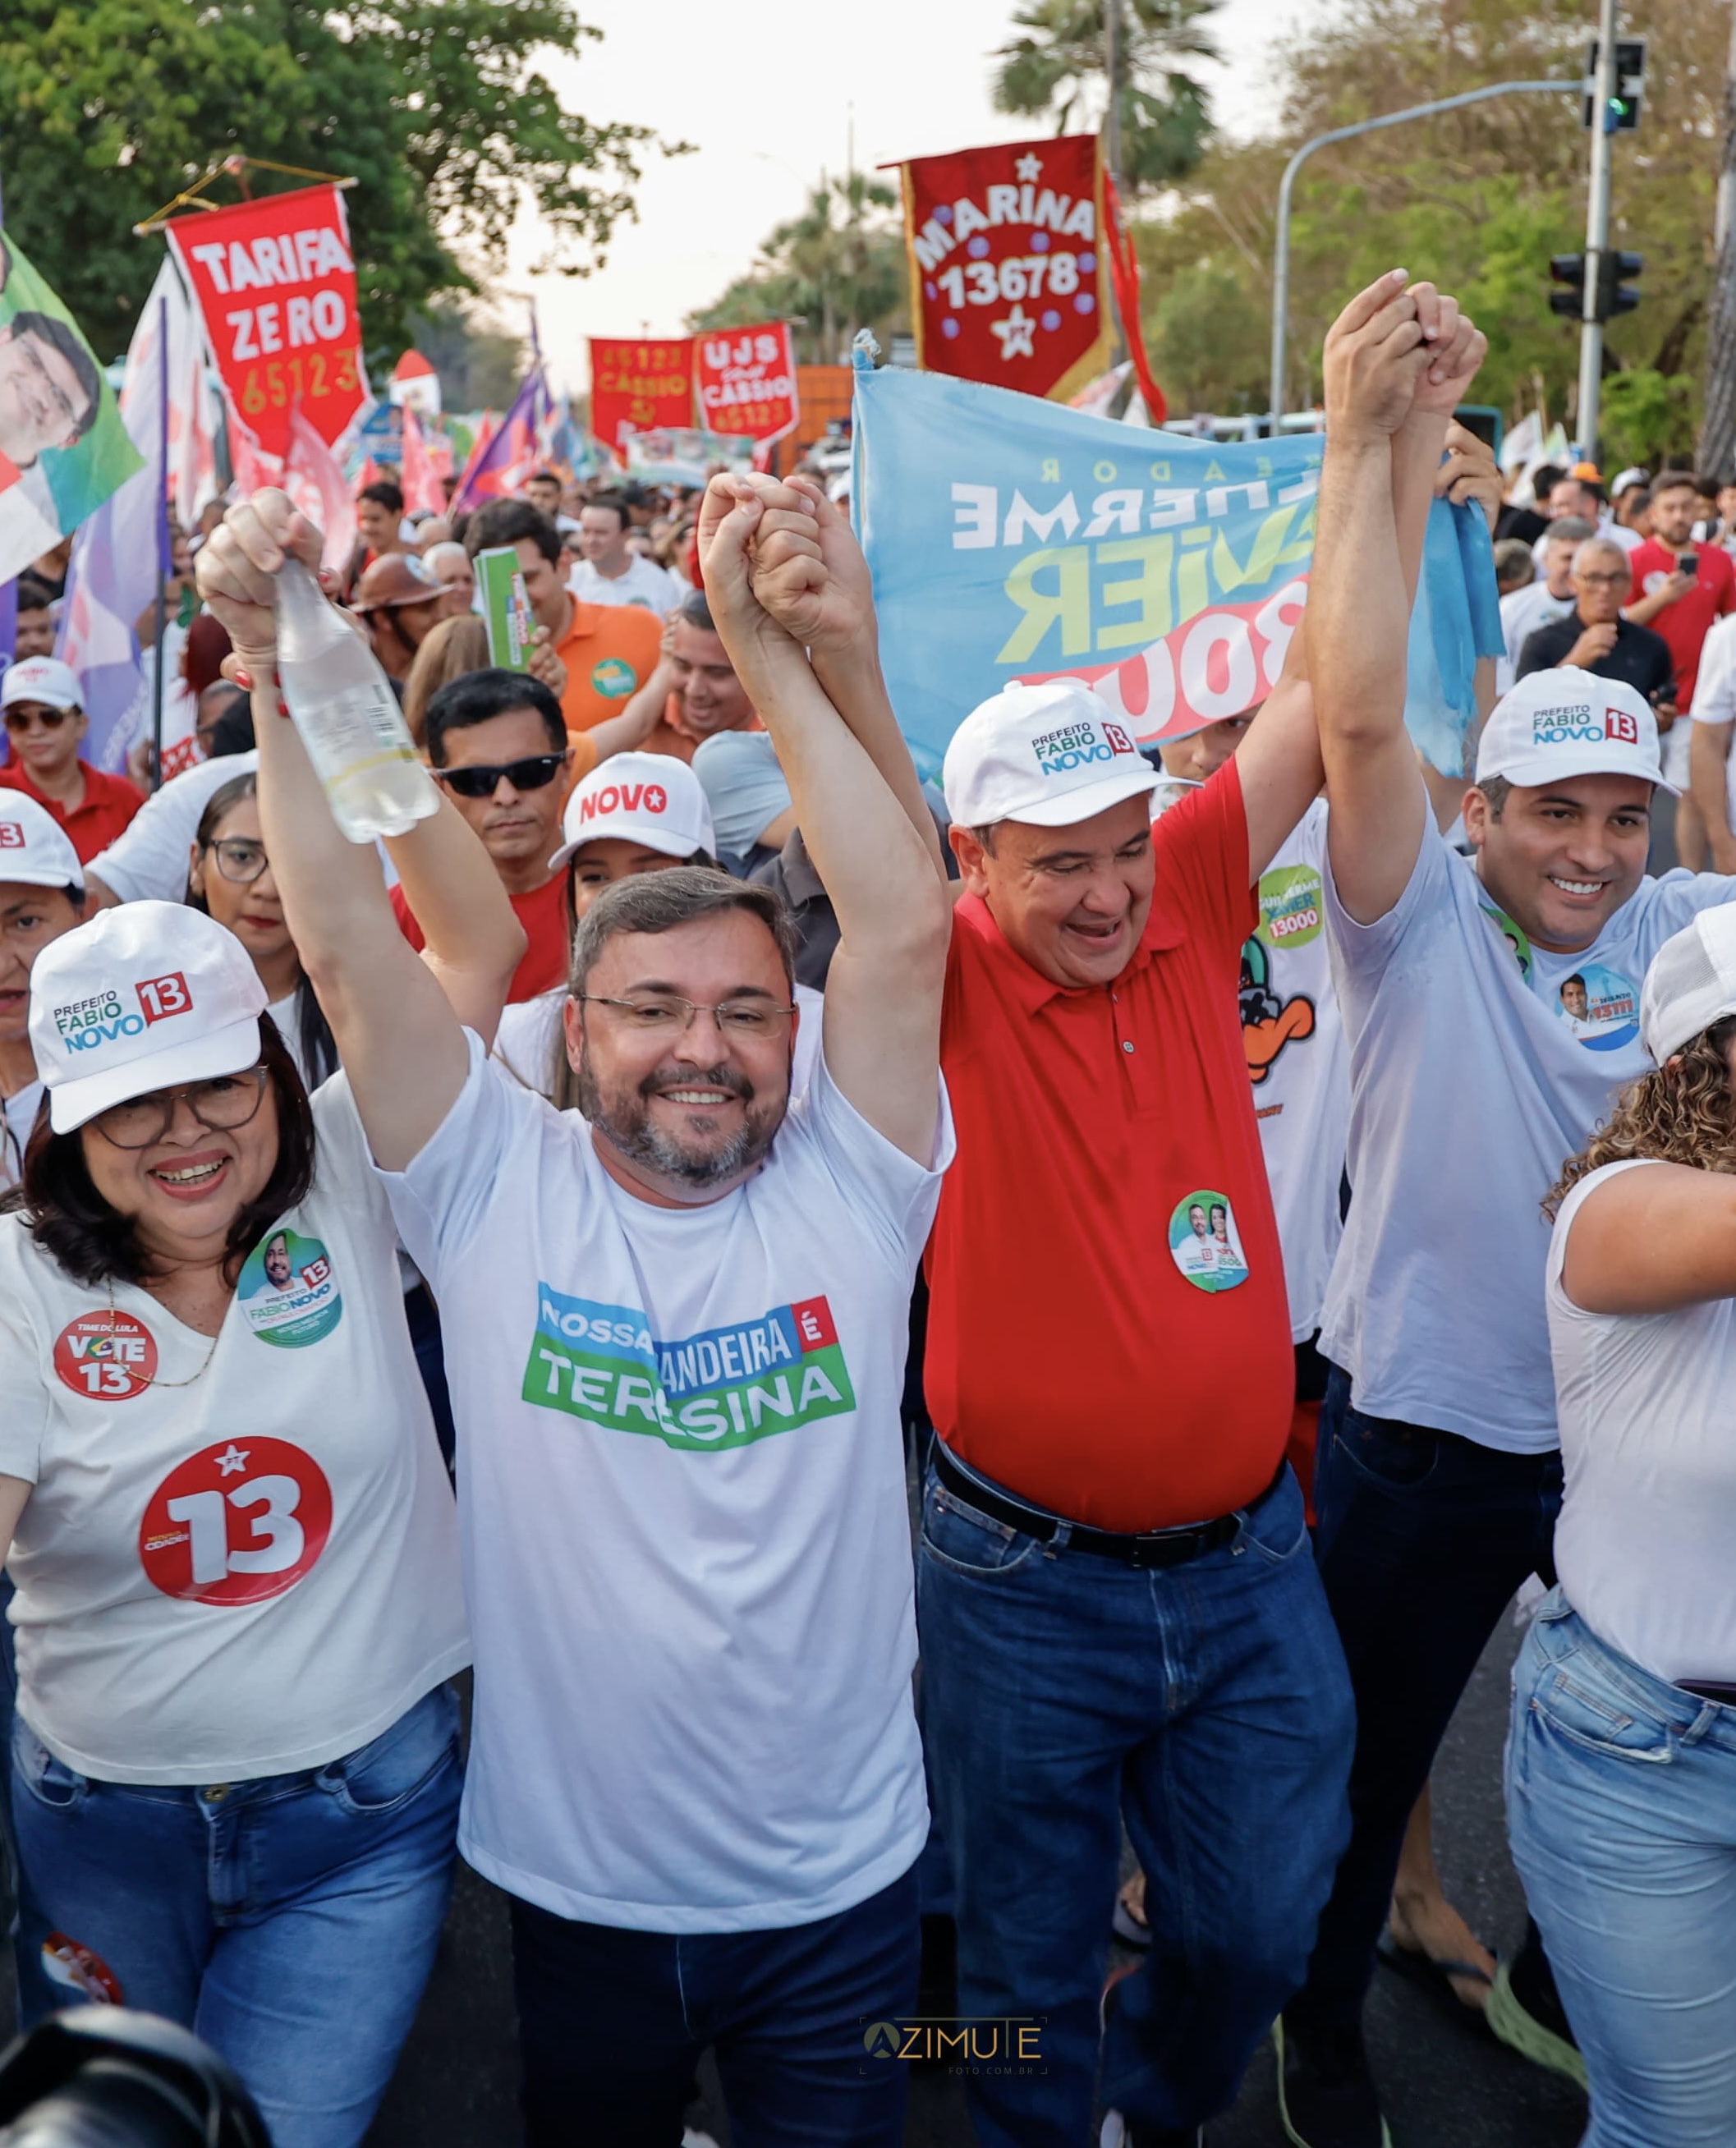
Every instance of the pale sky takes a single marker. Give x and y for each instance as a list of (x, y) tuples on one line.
[(767, 119)]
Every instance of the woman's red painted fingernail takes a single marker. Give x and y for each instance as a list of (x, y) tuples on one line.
[(244, 678)]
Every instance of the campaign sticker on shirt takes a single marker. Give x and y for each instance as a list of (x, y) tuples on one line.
[(75, 1968), (1599, 1006), (288, 1291), (1204, 1244), (107, 1355), (1291, 907), (236, 1524), (1512, 935), (612, 678)]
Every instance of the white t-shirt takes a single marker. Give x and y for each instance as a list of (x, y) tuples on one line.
[(644, 583), (1473, 1081), (1523, 611), (148, 860), (1715, 691), (524, 1040), (682, 1491), (1648, 1405), (242, 1570), (1298, 1063)]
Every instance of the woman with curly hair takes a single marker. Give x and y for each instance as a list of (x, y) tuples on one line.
[(1622, 1761)]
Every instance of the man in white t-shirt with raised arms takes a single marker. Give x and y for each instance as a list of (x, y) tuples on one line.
[(675, 1332), (1492, 1013)]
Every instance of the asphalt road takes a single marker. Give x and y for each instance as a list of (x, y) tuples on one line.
[(1446, 2084)]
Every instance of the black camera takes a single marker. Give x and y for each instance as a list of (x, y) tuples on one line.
[(105, 2077)]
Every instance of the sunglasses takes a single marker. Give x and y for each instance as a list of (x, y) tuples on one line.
[(539, 771), (24, 718)]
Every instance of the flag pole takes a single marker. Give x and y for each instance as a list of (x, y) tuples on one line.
[(165, 550)]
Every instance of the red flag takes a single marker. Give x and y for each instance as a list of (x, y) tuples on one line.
[(1007, 281), (639, 385), (422, 488), (1124, 268), (746, 381), (276, 282), (315, 481)]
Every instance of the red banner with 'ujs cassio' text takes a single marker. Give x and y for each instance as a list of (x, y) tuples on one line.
[(640, 384), (276, 282), (746, 381), (1007, 264)]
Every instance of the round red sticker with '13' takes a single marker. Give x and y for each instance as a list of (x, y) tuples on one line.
[(109, 1356), (237, 1523)]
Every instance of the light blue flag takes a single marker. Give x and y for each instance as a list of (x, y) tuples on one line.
[(1015, 538)]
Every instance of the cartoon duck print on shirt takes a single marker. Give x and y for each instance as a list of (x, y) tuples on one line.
[(1291, 916)]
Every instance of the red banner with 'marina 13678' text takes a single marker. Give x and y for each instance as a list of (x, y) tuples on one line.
[(1007, 263), (276, 282), (640, 384)]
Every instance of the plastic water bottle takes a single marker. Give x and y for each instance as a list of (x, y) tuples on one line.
[(348, 716)]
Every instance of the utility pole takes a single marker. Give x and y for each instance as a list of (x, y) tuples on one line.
[(1604, 115), (1717, 439), (1112, 68)]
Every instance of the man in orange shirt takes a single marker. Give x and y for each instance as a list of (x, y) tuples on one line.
[(45, 726), (609, 651)]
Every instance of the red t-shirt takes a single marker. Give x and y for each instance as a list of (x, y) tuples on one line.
[(1108, 1335), (110, 801), (1685, 624), (543, 916)]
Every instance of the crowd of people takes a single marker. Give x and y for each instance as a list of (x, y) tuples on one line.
[(1247, 1213)]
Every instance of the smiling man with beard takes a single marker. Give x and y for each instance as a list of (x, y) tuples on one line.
[(677, 1347)]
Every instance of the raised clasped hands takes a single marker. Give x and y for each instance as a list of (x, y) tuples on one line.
[(780, 556), (1396, 352)]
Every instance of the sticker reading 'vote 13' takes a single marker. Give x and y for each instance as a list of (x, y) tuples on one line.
[(236, 1524), (107, 1356)]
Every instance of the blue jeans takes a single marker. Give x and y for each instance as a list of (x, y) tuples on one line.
[(612, 2022), (1207, 1706), (1422, 1539), (1621, 1803), (291, 1921)]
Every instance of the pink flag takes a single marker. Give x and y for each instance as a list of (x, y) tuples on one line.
[(422, 488), (314, 481)]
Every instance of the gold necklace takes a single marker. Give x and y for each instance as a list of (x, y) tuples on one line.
[(143, 1378)]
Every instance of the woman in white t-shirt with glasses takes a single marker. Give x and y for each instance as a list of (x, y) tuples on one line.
[(235, 1767), (1622, 1764)]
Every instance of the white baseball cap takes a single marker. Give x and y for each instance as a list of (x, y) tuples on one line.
[(1691, 984), (33, 847), (139, 999), (645, 798), (43, 679), (1052, 755), (1568, 722)]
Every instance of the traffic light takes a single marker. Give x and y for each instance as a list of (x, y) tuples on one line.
[(1569, 269), (1630, 82), (1612, 296)]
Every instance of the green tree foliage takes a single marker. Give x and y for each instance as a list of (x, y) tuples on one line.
[(838, 267), (1056, 69), (437, 107), (1478, 199)]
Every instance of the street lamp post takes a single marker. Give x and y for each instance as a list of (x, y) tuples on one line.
[(1281, 260)]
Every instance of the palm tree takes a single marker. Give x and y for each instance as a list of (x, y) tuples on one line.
[(837, 267), (1058, 68)]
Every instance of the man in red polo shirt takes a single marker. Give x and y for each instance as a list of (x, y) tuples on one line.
[(1119, 1612), (45, 727)]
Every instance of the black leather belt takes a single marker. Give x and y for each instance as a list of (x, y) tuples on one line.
[(1156, 1548), (1701, 1689)]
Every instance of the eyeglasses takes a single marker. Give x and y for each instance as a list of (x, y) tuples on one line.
[(220, 1105), (674, 1015), (25, 716), (1606, 581), (478, 782), (239, 859)]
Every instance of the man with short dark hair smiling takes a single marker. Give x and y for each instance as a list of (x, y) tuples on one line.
[(610, 571)]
